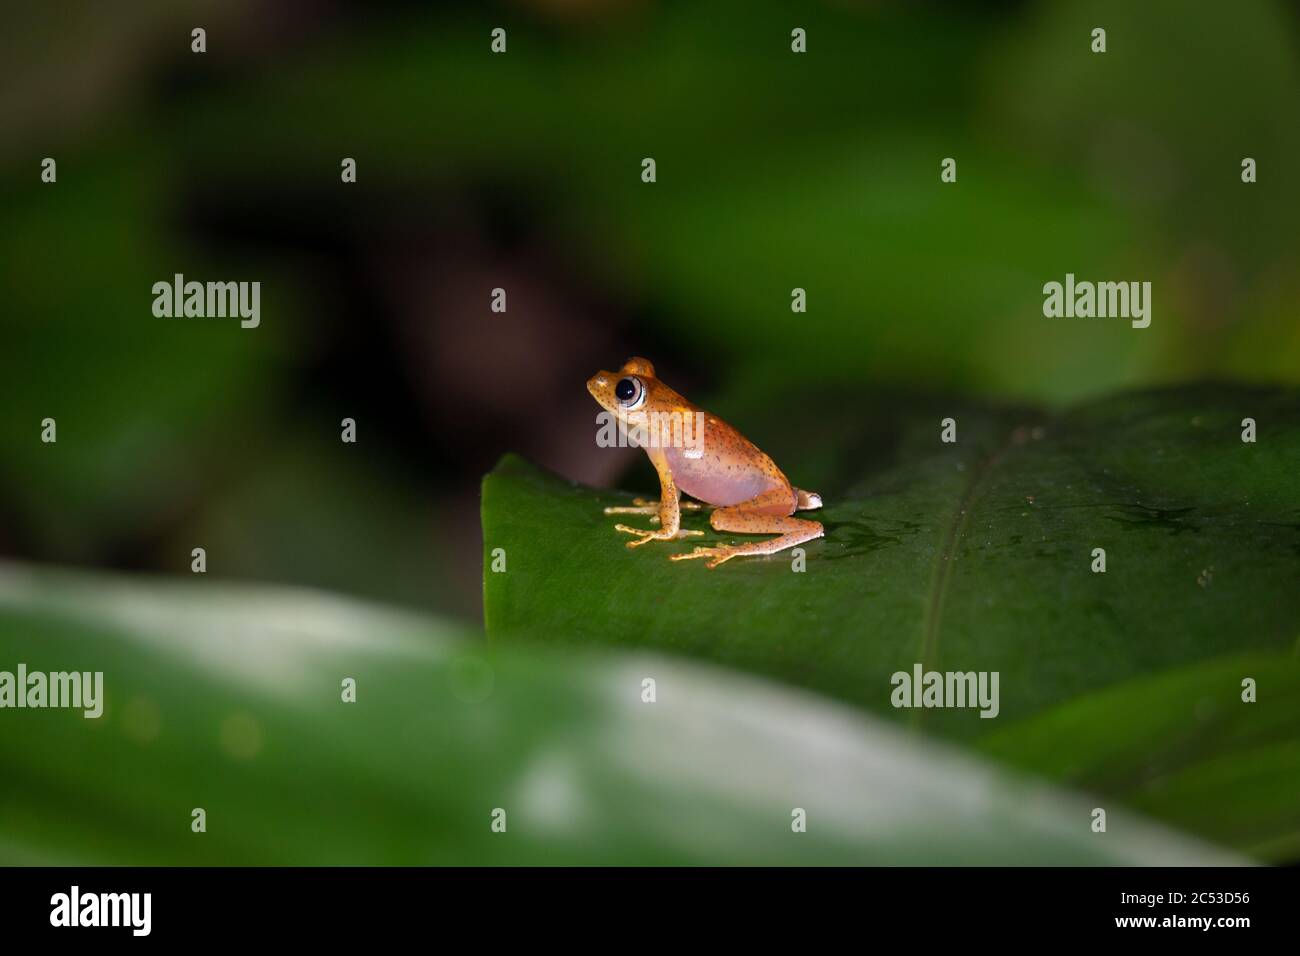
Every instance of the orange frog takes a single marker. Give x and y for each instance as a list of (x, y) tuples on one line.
[(707, 459)]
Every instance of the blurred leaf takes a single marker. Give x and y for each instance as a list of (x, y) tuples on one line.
[(968, 556), (146, 408), (228, 699), (355, 526), (822, 172), (1184, 743)]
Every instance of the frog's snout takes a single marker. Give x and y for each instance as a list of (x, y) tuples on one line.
[(598, 384)]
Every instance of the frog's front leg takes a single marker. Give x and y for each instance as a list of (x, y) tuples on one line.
[(644, 506), (670, 515)]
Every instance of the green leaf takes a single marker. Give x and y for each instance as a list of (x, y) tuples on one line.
[(228, 698), (975, 556), (1180, 745)]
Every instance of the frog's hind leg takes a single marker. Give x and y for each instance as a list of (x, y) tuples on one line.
[(807, 500), (769, 513)]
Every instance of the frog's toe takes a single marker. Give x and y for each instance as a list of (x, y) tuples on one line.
[(687, 555), (642, 535), (702, 552), (638, 508)]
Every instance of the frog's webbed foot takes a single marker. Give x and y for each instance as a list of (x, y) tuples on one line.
[(718, 554), (643, 535)]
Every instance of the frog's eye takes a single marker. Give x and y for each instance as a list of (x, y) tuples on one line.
[(629, 392)]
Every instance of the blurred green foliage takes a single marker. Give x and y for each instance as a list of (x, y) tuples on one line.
[(228, 699), (822, 171)]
